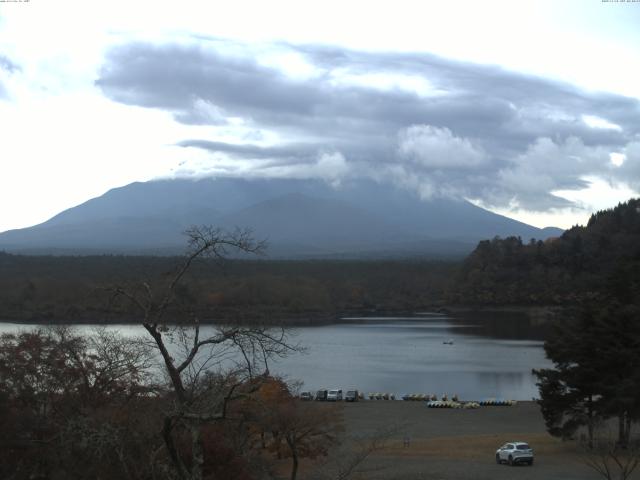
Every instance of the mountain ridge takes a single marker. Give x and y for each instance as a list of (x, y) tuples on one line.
[(359, 218)]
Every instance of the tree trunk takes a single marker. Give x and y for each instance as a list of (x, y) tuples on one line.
[(590, 424), (621, 429), (197, 452), (294, 456), (294, 467), (173, 372), (628, 428), (167, 435)]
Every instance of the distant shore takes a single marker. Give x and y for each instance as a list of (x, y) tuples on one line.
[(536, 314)]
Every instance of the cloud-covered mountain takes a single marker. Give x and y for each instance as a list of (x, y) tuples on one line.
[(433, 125), (306, 218)]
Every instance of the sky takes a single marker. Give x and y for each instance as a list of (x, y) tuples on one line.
[(530, 109)]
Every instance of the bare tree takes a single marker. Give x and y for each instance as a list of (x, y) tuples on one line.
[(301, 430), (206, 371), (610, 459), (351, 462), (70, 405)]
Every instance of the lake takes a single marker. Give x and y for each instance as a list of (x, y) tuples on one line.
[(489, 355)]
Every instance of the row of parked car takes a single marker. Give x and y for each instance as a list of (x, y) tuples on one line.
[(334, 395)]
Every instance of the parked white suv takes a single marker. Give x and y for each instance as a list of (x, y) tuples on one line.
[(515, 452), (334, 395)]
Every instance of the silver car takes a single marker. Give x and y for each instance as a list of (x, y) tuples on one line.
[(514, 453)]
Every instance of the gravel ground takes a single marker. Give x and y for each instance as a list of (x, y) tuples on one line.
[(448, 444)]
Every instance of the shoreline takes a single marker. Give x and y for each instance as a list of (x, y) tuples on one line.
[(539, 315)]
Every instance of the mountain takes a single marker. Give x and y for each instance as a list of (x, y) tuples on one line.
[(297, 217)]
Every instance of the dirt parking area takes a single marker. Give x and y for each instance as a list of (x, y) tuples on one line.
[(452, 444)]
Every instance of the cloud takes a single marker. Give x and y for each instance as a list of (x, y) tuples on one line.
[(6, 65), (202, 112), (437, 148), (291, 153), (630, 169), (597, 122), (331, 167), (436, 126), (532, 177)]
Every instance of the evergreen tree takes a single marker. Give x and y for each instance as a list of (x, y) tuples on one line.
[(596, 354), (569, 393)]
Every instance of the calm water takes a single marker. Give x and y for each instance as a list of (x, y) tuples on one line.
[(489, 357)]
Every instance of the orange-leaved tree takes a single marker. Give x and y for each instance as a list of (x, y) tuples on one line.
[(295, 429)]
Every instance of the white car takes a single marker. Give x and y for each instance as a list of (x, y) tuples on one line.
[(306, 396), (514, 453), (334, 395)]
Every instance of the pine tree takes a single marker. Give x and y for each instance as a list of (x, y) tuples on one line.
[(596, 355)]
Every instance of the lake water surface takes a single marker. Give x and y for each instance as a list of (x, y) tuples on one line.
[(488, 357)]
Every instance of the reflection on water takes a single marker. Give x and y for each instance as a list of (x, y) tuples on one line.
[(489, 357), (505, 325)]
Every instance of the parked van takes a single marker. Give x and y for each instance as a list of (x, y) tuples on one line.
[(321, 395), (352, 396), (334, 396)]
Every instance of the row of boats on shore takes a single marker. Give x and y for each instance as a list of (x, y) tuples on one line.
[(431, 400), (444, 402)]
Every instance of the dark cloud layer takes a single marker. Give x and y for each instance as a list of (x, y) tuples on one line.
[(291, 153), (8, 66), (476, 131)]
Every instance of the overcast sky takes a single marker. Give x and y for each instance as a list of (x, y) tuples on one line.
[(527, 108)]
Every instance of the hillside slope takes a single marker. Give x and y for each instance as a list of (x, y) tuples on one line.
[(601, 258), (298, 217)]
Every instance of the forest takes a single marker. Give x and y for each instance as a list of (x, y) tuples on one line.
[(52, 289), (601, 258), (581, 264)]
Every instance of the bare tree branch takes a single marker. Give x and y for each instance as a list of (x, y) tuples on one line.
[(200, 396), (611, 460)]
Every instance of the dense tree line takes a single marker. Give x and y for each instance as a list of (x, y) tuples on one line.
[(509, 271), (72, 289), (601, 257)]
